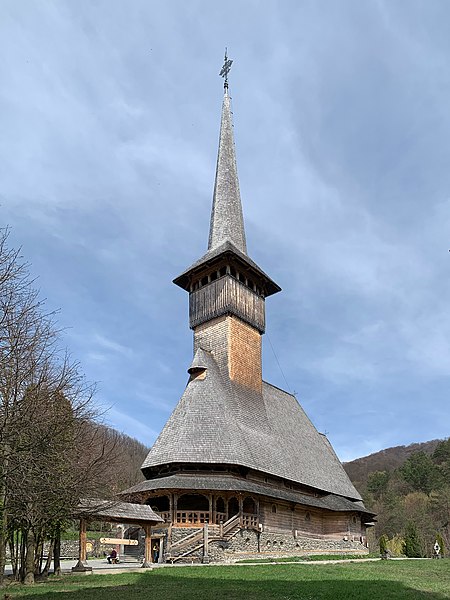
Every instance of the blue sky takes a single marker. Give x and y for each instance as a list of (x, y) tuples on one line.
[(109, 120)]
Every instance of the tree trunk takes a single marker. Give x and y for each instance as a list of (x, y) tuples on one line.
[(29, 559), (46, 569), (3, 529), (38, 554), (57, 552), (14, 544)]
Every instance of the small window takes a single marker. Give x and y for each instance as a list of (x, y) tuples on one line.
[(308, 516), (213, 276), (223, 271), (204, 281), (274, 508), (354, 519), (233, 271)]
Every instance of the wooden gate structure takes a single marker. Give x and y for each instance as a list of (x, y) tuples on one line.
[(114, 512)]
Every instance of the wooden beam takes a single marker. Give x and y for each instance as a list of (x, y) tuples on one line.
[(147, 546), (205, 558), (82, 566)]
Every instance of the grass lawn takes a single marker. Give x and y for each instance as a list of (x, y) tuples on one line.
[(311, 557), (384, 580)]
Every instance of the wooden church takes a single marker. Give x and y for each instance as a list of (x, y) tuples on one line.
[(239, 468)]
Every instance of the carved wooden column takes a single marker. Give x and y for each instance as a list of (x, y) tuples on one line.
[(214, 510), (175, 507), (171, 507), (147, 546), (211, 508), (81, 566)]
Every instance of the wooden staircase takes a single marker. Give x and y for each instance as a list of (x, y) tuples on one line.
[(195, 541)]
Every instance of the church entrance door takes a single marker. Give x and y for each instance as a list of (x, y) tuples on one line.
[(233, 507)]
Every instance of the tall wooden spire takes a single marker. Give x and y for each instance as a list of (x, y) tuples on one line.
[(225, 281), (227, 222)]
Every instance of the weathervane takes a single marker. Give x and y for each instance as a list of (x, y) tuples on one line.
[(226, 69)]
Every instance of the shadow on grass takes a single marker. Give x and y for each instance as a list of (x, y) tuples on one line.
[(168, 585)]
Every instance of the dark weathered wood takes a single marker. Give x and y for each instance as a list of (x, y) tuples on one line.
[(82, 565), (147, 546), (223, 296)]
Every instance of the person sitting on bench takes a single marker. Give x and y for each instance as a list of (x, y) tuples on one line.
[(112, 557)]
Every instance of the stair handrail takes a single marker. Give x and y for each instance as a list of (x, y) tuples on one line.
[(230, 524), (192, 537), (173, 559)]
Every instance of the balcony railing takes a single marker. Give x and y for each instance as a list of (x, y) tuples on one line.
[(191, 517), (250, 521), (220, 517)]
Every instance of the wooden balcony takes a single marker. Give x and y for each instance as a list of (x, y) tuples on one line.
[(191, 518), (220, 517)]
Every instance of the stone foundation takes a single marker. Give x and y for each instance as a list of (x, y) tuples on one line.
[(247, 543)]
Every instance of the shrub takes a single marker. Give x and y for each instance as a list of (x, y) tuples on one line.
[(412, 546), (383, 545)]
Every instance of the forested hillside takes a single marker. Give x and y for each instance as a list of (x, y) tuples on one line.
[(126, 457), (409, 490), (385, 460)]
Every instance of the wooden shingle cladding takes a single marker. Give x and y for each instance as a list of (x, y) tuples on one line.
[(227, 254), (218, 421), (237, 350), (115, 511)]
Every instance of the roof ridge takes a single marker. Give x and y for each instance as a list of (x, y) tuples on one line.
[(281, 389)]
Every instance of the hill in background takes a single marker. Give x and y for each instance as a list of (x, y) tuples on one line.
[(385, 460)]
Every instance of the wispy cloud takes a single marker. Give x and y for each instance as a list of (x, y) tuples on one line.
[(109, 121)]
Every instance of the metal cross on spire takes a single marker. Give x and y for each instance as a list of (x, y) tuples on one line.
[(226, 69)]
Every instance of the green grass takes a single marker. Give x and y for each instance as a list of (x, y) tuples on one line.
[(384, 580), (311, 557)]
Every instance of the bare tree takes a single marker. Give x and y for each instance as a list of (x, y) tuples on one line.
[(51, 454)]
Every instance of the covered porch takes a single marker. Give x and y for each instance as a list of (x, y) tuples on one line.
[(195, 509)]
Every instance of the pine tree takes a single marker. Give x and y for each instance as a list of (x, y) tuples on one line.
[(412, 546)]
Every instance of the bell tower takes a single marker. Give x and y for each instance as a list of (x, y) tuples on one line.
[(227, 290)]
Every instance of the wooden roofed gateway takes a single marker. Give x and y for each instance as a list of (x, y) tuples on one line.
[(114, 512)]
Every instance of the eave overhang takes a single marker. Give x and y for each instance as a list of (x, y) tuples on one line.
[(227, 252), (218, 483)]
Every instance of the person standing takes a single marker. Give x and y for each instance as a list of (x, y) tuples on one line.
[(155, 553)]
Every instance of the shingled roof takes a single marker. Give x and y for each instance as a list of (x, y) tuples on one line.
[(215, 254), (199, 483), (213, 423), (116, 511)]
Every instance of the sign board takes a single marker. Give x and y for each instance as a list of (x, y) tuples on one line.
[(114, 541)]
